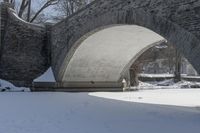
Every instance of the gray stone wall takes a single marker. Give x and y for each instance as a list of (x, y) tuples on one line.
[(24, 52), (176, 20), (3, 21)]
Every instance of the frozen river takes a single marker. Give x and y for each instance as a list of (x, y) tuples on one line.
[(91, 113)]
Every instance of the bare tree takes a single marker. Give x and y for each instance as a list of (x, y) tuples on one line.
[(177, 73), (22, 8), (29, 10), (25, 9), (64, 7), (47, 4), (134, 71), (68, 7), (10, 1)]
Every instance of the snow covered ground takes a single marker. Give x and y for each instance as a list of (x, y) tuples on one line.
[(160, 110), (165, 75), (167, 84), (7, 86), (82, 113), (175, 97)]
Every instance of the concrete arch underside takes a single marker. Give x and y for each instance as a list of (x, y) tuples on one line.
[(107, 55)]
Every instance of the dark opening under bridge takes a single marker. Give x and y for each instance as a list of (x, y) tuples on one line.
[(96, 45)]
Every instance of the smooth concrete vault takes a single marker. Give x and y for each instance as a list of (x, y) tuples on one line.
[(107, 55)]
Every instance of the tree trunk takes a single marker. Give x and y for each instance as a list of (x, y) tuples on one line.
[(177, 73), (134, 70), (29, 11), (23, 6), (134, 78)]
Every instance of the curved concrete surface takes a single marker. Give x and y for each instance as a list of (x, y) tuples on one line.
[(106, 55)]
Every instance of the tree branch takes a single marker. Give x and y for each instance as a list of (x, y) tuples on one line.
[(23, 6), (47, 4)]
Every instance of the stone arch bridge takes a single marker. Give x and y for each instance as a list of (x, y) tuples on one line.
[(97, 44)]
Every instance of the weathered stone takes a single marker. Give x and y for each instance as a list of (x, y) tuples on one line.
[(24, 51)]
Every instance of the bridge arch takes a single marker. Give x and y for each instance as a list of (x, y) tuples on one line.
[(186, 42), (106, 55)]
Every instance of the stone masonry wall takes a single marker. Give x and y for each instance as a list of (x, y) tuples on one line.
[(3, 21), (24, 52)]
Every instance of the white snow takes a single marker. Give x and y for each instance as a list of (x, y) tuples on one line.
[(175, 97), (144, 111), (82, 113), (48, 76), (7, 86), (165, 75), (167, 84)]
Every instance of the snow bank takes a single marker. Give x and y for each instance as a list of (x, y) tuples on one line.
[(7, 86), (175, 97), (165, 75), (167, 84), (48, 76)]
